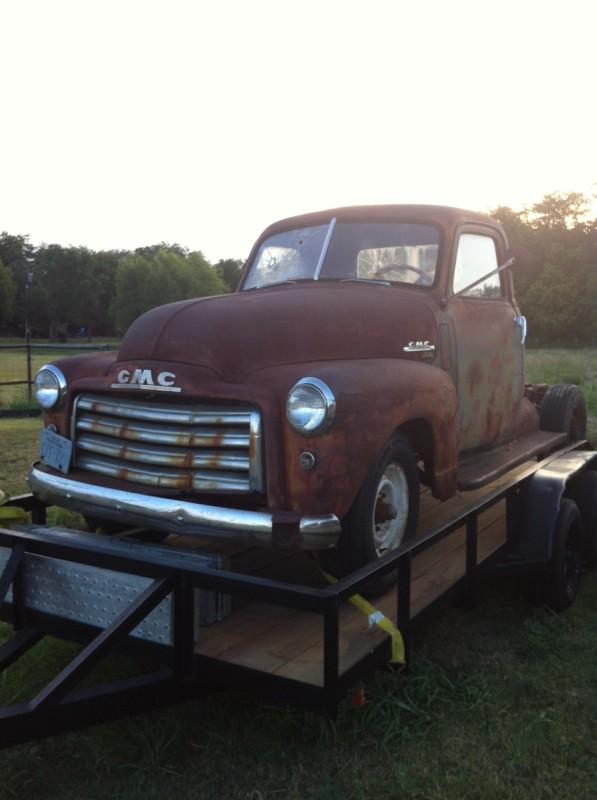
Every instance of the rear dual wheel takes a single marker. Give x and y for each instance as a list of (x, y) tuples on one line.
[(563, 410)]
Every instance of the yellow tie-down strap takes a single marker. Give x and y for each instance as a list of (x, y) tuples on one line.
[(10, 514), (376, 617)]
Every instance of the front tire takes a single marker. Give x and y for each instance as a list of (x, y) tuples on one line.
[(383, 516)]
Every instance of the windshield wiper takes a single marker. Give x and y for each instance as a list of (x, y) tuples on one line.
[(365, 280), (279, 283)]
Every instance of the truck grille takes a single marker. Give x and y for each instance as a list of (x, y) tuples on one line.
[(193, 448)]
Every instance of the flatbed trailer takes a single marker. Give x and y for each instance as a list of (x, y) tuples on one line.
[(278, 628)]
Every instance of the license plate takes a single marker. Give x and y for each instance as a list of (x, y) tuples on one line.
[(55, 450)]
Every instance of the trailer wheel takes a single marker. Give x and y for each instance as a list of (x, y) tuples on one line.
[(563, 579), (584, 493), (383, 515), (563, 410)]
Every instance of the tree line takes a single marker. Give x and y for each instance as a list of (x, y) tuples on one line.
[(60, 291), (557, 289)]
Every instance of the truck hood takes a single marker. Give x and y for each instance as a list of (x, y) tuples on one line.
[(237, 334)]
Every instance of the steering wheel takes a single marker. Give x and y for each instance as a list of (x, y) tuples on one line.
[(388, 267)]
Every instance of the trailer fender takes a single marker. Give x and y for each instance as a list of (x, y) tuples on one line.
[(541, 497)]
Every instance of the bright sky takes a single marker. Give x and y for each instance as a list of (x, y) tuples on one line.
[(126, 123)]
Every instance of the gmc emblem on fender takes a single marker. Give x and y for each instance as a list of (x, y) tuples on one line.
[(419, 347), (143, 379)]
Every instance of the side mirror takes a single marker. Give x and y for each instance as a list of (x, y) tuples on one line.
[(520, 255)]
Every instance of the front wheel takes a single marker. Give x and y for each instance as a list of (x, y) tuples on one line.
[(383, 515)]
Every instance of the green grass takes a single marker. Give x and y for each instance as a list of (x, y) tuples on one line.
[(567, 366), (501, 704), (18, 448), (13, 366)]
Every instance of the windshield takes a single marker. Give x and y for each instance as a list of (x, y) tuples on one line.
[(380, 251)]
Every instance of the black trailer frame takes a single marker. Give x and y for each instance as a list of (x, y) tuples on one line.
[(184, 674)]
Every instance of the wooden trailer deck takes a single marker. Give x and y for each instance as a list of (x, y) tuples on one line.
[(289, 643)]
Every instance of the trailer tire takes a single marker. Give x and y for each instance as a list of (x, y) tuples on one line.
[(390, 488), (563, 410), (563, 579), (584, 493)]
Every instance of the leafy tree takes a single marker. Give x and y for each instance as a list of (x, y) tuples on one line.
[(97, 289), (229, 270), (143, 282), (16, 253), (558, 289), (8, 293), (71, 288), (149, 251), (559, 211), (59, 273), (551, 308)]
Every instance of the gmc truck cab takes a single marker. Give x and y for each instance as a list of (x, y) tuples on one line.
[(367, 350)]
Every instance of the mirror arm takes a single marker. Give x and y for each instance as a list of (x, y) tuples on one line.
[(472, 285)]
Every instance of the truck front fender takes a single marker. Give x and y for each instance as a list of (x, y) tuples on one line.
[(375, 398)]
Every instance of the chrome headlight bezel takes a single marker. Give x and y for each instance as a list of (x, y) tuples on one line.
[(55, 394), (322, 395)]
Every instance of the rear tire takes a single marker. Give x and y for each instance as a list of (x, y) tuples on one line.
[(563, 410), (383, 516)]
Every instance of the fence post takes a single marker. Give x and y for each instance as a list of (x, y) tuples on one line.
[(28, 346)]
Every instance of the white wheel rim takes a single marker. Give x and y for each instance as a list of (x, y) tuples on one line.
[(390, 512)]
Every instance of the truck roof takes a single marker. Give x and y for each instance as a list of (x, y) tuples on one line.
[(445, 216)]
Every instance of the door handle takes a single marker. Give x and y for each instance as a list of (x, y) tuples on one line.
[(522, 324)]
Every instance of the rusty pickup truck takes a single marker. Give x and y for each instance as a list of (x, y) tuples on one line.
[(367, 351)]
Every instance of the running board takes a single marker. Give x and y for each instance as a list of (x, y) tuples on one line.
[(481, 468)]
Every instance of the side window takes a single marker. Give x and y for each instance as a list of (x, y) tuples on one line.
[(476, 257)]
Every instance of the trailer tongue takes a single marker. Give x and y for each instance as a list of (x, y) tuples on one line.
[(211, 624)]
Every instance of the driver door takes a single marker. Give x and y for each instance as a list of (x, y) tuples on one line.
[(488, 341)]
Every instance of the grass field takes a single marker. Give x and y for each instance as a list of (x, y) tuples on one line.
[(13, 366), (501, 704)]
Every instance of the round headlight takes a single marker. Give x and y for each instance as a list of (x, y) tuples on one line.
[(50, 386), (311, 406)]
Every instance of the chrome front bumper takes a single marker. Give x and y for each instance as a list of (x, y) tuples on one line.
[(177, 516)]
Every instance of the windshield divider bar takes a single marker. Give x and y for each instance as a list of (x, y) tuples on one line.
[(324, 249)]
